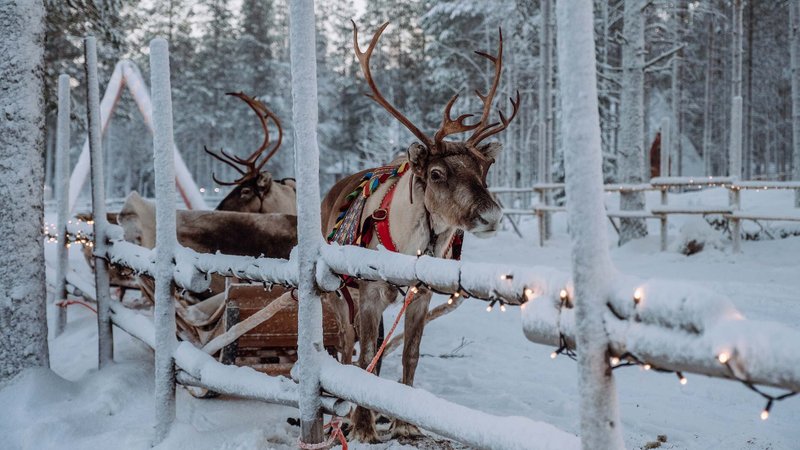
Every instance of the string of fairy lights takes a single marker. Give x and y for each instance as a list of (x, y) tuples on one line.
[(86, 238), (628, 359)]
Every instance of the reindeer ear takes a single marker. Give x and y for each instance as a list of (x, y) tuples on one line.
[(418, 157), (491, 150)]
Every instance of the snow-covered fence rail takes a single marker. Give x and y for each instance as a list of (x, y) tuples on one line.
[(732, 211), (678, 328)]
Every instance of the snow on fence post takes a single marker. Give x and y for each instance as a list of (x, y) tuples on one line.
[(62, 200), (309, 237), (105, 340), (166, 239), (666, 148), (591, 263)]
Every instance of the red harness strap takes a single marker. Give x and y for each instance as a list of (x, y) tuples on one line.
[(378, 223), (381, 218)]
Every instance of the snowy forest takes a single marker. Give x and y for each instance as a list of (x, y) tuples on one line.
[(231, 46), (507, 224)]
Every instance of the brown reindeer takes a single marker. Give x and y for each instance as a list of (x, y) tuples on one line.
[(256, 191), (443, 191)]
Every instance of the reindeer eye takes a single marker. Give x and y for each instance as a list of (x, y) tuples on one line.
[(437, 175), (246, 191)]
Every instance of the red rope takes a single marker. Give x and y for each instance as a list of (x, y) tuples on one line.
[(336, 433), (406, 302), (65, 303)]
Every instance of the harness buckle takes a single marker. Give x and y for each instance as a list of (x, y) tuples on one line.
[(380, 214)]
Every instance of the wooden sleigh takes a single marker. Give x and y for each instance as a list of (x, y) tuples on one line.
[(249, 325)]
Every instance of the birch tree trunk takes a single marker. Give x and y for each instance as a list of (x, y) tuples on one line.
[(546, 102), (676, 157), (591, 263), (735, 143), (631, 135), (23, 312), (707, 108), (794, 23)]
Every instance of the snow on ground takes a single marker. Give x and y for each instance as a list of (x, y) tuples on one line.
[(471, 357)]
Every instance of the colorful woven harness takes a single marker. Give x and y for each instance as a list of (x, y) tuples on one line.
[(348, 230)]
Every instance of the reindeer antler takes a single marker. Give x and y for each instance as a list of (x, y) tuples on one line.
[(450, 126), (484, 128), (249, 167), (363, 60)]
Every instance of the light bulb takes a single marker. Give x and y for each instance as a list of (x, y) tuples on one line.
[(637, 295), (528, 293), (553, 355), (683, 380), (502, 308), (724, 357), (764, 415), (647, 367), (489, 308), (450, 301), (614, 360)]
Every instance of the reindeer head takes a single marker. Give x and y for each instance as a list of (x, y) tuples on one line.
[(254, 185), (452, 173)]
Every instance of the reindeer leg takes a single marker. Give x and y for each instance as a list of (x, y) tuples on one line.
[(414, 326), (347, 333), (374, 298)]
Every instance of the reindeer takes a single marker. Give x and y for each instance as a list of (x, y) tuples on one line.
[(443, 191), (256, 191)]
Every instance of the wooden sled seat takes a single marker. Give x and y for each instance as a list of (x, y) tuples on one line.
[(271, 346)]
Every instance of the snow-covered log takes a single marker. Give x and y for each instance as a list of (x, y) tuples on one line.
[(105, 340), (302, 49), (419, 407), (62, 193), (592, 269), (166, 238), (674, 330)]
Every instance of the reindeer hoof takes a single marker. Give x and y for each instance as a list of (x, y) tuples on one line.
[(363, 427), (364, 436), (404, 430)]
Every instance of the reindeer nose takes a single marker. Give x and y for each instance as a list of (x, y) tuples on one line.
[(491, 216)]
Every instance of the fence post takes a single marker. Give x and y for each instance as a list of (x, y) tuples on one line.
[(309, 235), (591, 263), (736, 229), (166, 239), (666, 148), (105, 339), (62, 200)]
